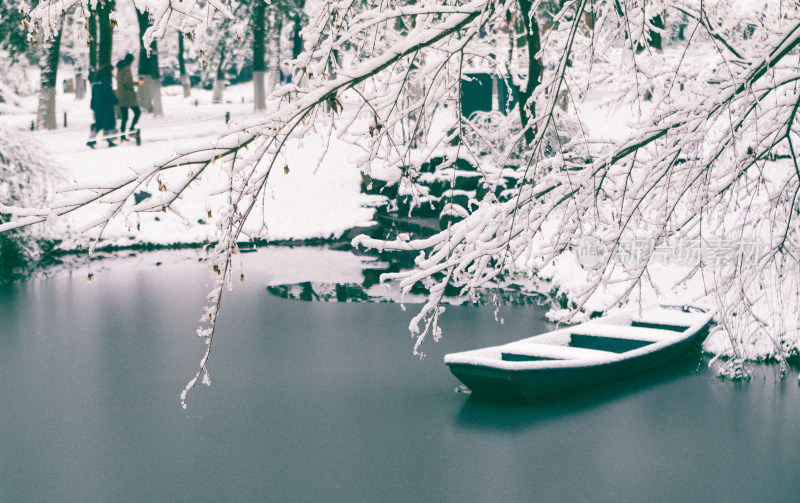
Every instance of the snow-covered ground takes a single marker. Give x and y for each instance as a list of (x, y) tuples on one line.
[(304, 202)]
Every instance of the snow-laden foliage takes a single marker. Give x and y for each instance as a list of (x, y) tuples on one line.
[(189, 16), (15, 83), (712, 158), (26, 179)]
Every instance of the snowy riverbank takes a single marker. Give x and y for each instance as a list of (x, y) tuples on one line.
[(305, 200)]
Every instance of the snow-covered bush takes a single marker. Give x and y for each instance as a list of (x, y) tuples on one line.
[(17, 81), (26, 178)]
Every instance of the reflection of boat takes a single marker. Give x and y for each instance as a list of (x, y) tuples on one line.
[(583, 355)]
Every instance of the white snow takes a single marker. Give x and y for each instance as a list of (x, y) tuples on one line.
[(304, 201)]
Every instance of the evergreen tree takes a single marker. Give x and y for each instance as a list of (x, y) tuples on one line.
[(13, 35)]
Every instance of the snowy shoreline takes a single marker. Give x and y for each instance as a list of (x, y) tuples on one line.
[(306, 203)]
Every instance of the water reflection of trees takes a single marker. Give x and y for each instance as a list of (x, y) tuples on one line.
[(371, 290)]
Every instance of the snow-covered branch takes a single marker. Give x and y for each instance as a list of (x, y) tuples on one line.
[(711, 156)]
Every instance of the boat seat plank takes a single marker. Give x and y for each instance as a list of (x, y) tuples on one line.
[(625, 332), (554, 351), (659, 316)]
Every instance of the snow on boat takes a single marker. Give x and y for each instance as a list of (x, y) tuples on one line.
[(583, 355)]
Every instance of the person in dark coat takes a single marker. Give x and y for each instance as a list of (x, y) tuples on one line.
[(286, 73), (126, 92), (103, 102)]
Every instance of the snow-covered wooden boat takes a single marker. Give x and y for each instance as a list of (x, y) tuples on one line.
[(583, 355)]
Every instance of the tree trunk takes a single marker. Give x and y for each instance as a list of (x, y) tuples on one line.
[(274, 76), (80, 85), (155, 93), (259, 91), (297, 39), (144, 23), (92, 45), (145, 90), (145, 93), (527, 111), (150, 90), (259, 59), (219, 88), (155, 83), (185, 83), (106, 32), (46, 112), (219, 81)]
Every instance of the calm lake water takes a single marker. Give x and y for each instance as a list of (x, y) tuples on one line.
[(315, 401)]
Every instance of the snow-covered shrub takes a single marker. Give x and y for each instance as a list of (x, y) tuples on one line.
[(25, 180), (16, 79), (496, 134)]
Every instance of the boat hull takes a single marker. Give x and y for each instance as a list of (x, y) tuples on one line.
[(532, 383)]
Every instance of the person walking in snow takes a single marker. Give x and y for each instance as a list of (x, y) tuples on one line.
[(286, 73), (126, 92), (103, 102)]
